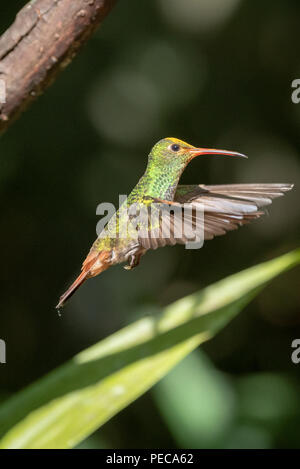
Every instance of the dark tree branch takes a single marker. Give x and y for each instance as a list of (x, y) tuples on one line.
[(42, 41)]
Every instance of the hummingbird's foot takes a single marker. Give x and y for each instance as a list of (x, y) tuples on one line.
[(134, 261)]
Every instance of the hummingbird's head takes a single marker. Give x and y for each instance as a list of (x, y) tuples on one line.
[(169, 151)]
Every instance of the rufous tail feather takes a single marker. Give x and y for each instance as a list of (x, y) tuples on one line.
[(94, 264)]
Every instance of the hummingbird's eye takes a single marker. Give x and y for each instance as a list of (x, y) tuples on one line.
[(175, 147)]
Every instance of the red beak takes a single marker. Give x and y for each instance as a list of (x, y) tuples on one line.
[(211, 151)]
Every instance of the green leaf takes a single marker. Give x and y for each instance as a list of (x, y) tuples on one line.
[(196, 414), (66, 406)]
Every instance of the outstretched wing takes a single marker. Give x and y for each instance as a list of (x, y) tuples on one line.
[(222, 208), (232, 195)]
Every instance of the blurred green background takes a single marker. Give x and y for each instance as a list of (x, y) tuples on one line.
[(215, 73)]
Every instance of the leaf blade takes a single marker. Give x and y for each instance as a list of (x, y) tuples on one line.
[(63, 408)]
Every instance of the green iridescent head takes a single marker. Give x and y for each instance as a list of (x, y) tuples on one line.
[(172, 151)]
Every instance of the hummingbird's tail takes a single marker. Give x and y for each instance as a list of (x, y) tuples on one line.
[(72, 289), (94, 264)]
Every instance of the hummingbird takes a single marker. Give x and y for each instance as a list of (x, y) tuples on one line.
[(223, 208)]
